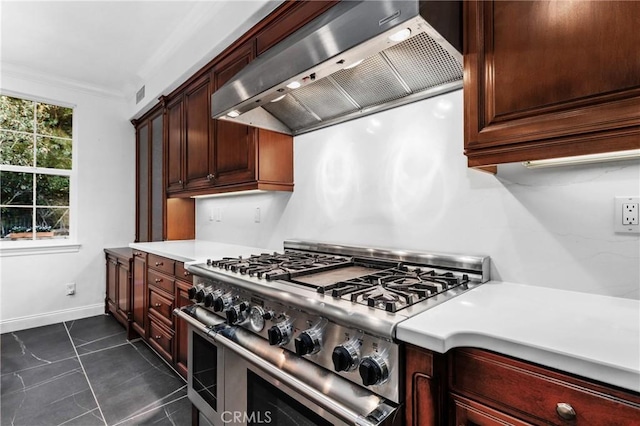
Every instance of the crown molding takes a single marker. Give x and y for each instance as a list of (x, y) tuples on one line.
[(25, 73)]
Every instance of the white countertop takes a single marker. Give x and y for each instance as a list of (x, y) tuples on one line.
[(593, 336), (196, 251)]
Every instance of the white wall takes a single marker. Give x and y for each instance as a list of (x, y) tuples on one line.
[(32, 292), (399, 179)]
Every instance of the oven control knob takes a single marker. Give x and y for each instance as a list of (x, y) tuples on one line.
[(221, 302), (210, 297), (308, 342), (373, 370), (208, 300), (345, 357), (237, 313), (280, 334), (200, 296), (192, 292)]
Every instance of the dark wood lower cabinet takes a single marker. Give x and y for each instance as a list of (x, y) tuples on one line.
[(118, 292), (181, 326), (142, 291), (474, 387), (138, 297)]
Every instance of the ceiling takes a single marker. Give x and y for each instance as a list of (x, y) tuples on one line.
[(111, 46)]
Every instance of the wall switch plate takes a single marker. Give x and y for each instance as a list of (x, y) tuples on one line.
[(218, 214), (71, 289), (626, 215), (256, 215)]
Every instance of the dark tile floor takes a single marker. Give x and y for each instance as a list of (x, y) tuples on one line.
[(85, 372)]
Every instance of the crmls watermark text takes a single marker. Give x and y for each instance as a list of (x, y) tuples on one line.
[(254, 417)]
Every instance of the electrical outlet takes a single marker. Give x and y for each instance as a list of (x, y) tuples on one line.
[(71, 289), (218, 214), (256, 215), (630, 214), (211, 216), (627, 215)]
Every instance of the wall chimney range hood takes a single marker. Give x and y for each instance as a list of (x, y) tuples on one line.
[(358, 58)]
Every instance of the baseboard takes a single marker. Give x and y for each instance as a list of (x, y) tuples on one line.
[(38, 320)]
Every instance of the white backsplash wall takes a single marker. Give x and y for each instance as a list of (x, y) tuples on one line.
[(399, 179)]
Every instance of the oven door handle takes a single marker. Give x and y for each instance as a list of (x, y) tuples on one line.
[(380, 415)]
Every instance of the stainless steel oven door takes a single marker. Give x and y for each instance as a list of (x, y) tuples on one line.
[(254, 397), (206, 375)]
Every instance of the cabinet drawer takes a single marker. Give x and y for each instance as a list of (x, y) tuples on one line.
[(470, 413), (182, 273), (161, 340), (533, 393), (160, 280), (161, 306), (161, 264)]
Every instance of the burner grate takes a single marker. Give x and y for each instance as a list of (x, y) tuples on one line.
[(396, 288)]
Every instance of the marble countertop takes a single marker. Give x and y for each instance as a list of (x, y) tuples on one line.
[(196, 251), (597, 337)]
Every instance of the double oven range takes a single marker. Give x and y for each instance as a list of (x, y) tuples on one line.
[(307, 336)]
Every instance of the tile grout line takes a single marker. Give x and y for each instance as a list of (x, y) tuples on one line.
[(148, 411), (85, 373)]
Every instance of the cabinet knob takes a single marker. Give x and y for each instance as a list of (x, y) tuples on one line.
[(158, 280), (157, 337), (211, 177), (157, 305), (186, 273), (565, 411), (159, 263)]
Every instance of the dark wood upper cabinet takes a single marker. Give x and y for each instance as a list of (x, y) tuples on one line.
[(234, 144), (205, 156), (150, 177), (197, 144), (174, 136), (547, 79), (189, 146)]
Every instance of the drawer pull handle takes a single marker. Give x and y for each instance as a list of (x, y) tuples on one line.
[(159, 263), (158, 280), (186, 274), (157, 305), (157, 337), (565, 411)]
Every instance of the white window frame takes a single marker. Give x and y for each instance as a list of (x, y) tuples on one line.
[(67, 245)]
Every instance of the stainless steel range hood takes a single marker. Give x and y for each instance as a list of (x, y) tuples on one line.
[(320, 59)]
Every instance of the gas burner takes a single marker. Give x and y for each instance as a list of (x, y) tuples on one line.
[(396, 288), (281, 266)]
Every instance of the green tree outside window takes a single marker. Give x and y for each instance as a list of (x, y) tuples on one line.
[(35, 169)]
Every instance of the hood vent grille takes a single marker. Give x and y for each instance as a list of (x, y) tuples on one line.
[(410, 67)]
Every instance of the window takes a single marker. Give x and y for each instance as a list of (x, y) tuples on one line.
[(36, 169)]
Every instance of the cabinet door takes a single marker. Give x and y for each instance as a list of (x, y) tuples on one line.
[(174, 132), (235, 153), (112, 284), (156, 188), (139, 292), (124, 287), (550, 79), (182, 335), (198, 147), (142, 178), (425, 389)]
